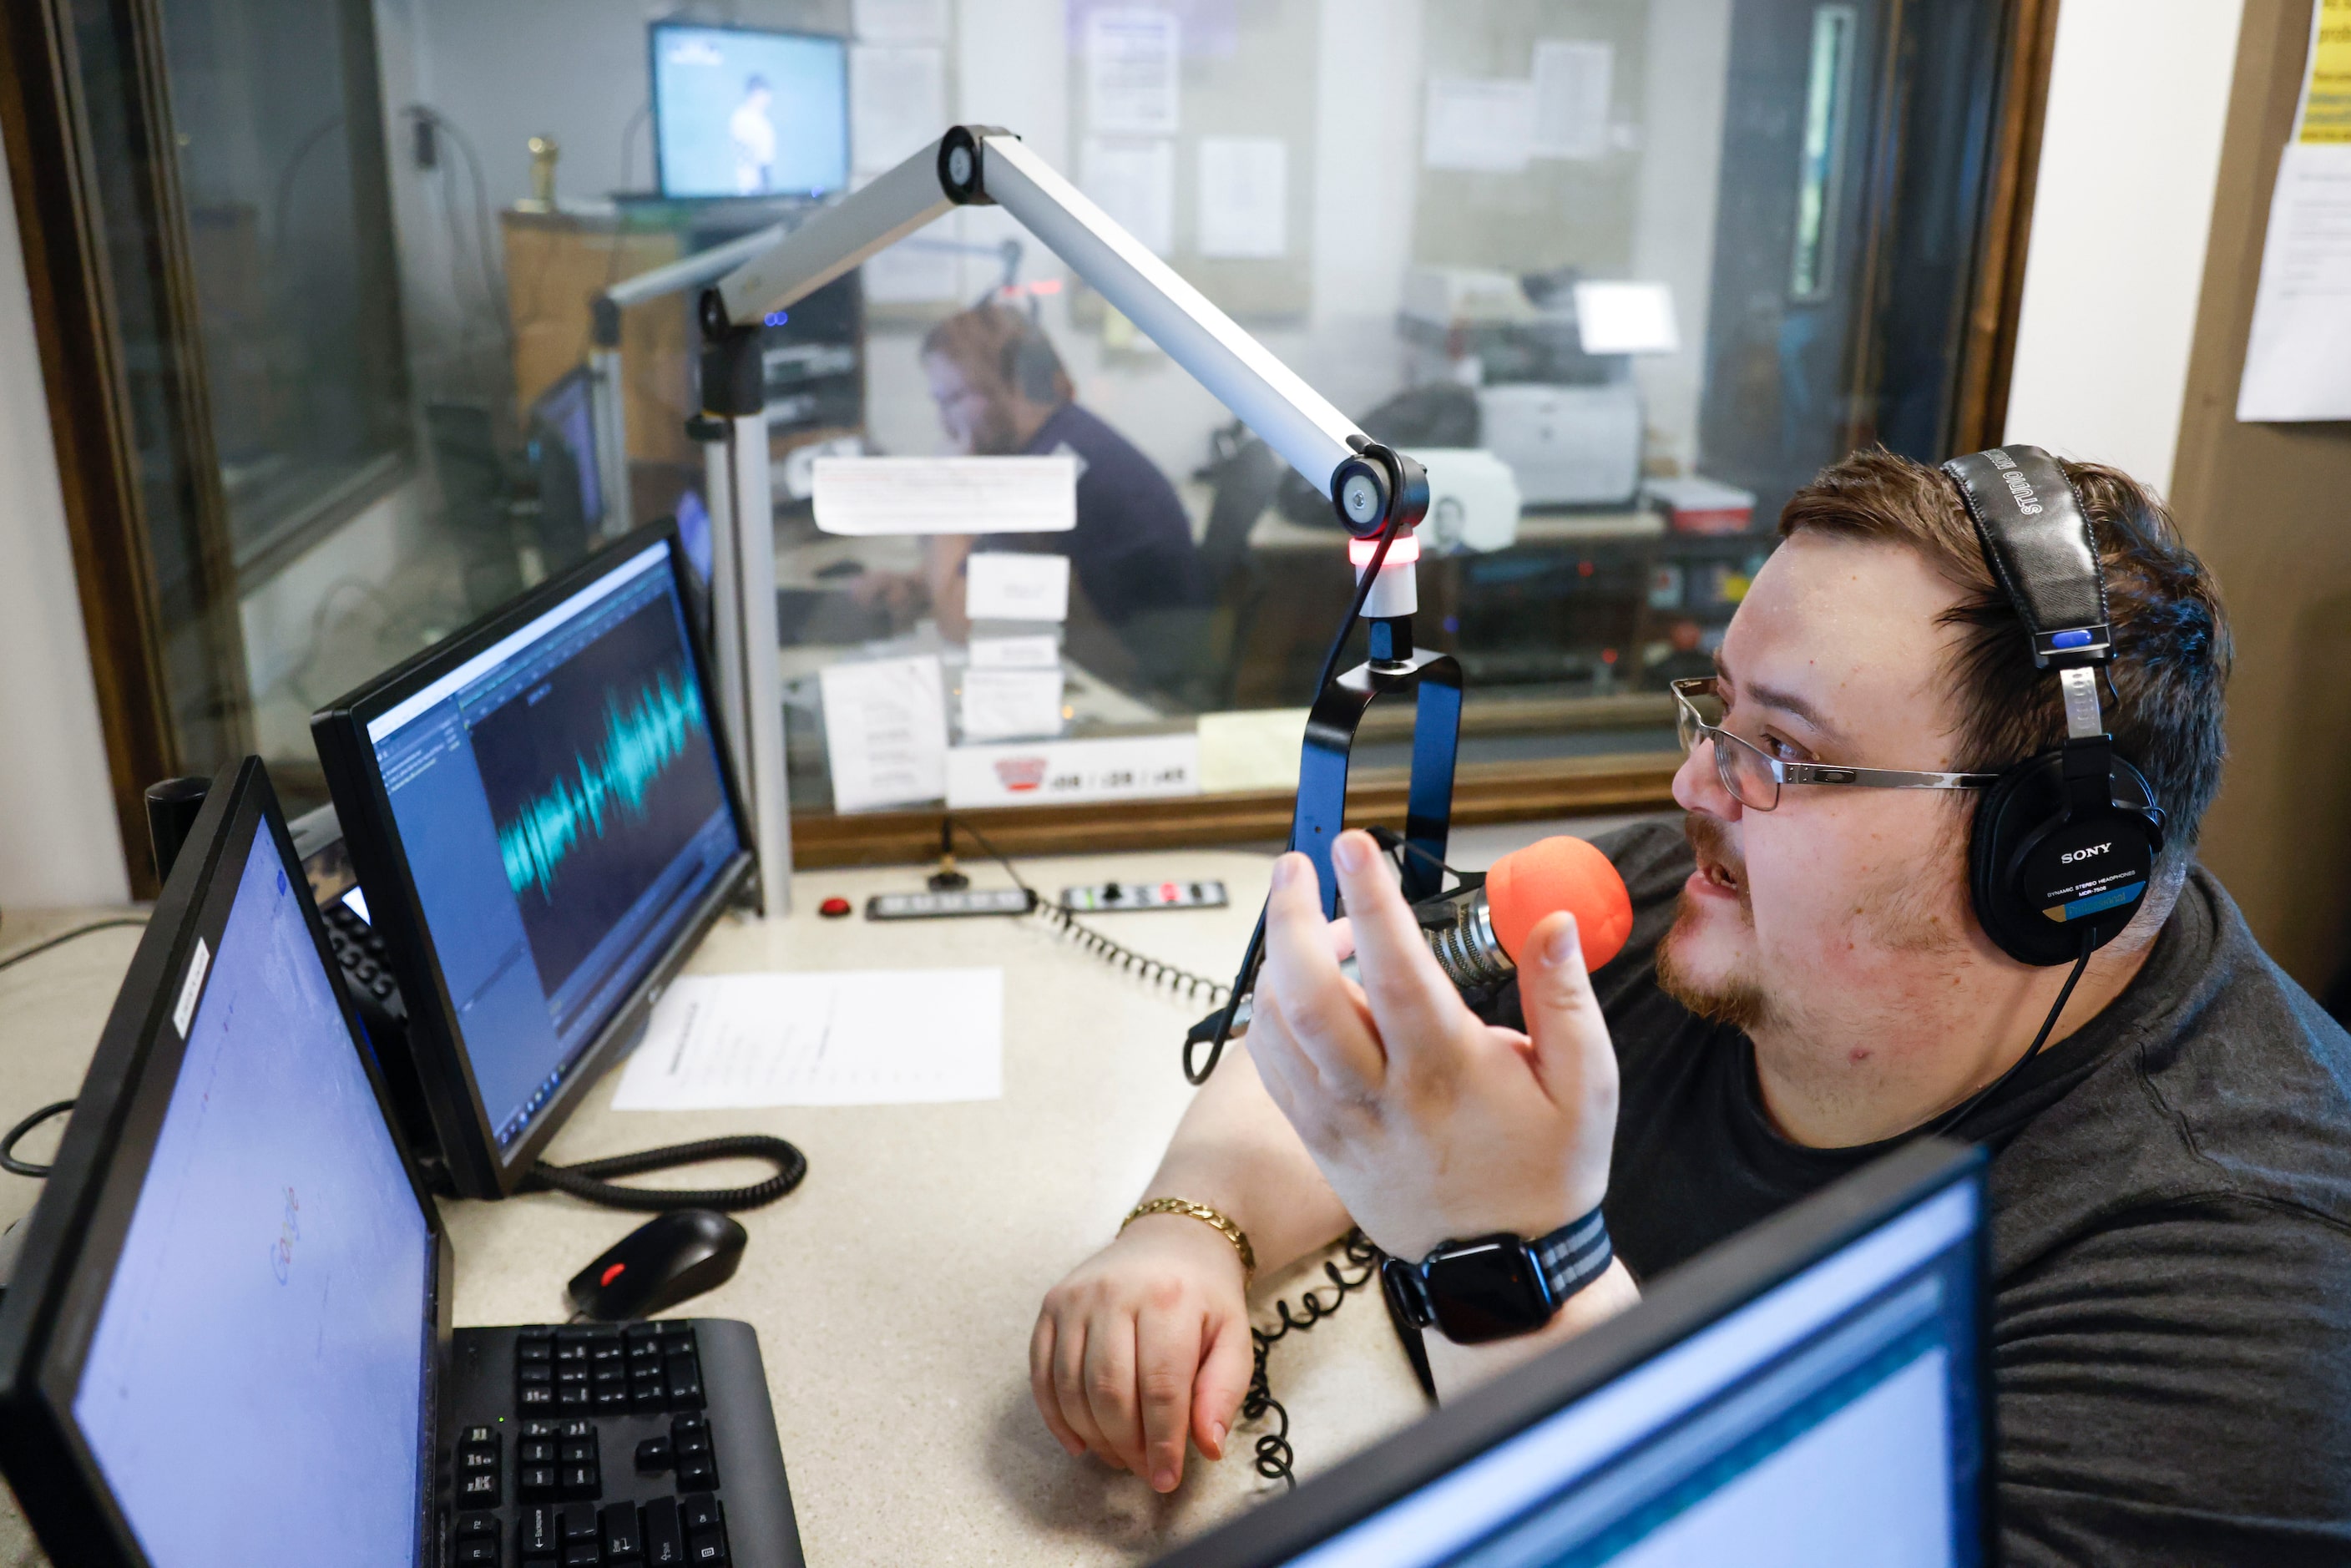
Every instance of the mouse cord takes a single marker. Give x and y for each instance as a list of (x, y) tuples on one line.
[(15, 1135), (1274, 1458), (587, 1181)]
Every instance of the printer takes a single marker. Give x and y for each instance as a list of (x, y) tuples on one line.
[(1549, 356)]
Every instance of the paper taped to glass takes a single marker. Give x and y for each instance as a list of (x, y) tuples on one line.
[(865, 496), (2298, 353)]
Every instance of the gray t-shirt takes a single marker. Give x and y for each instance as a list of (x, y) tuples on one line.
[(2171, 1192)]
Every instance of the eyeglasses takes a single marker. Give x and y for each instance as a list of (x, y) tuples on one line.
[(1754, 779)]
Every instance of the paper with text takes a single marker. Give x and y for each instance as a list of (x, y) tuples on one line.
[(1011, 585), (2298, 353), (1132, 70), (865, 496), (1244, 207), (886, 731), (1041, 652), (1008, 705), (856, 1036)]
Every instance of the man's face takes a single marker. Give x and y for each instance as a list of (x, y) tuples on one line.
[(1839, 899), (978, 425)]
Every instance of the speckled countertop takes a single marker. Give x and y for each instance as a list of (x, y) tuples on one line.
[(894, 1292)]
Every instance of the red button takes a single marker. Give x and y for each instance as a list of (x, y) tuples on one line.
[(833, 908)]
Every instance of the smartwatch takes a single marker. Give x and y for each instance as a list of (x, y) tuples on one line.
[(1496, 1287)]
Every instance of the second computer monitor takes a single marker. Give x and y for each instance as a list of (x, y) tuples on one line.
[(740, 111), (543, 820)]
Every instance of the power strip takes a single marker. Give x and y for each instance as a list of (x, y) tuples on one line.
[(939, 906), (1107, 897)]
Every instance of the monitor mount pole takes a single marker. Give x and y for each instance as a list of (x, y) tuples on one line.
[(1379, 494)]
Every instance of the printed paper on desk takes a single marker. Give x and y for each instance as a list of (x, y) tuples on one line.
[(871, 1037), (1007, 704), (1012, 586), (886, 731), (865, 496), (1041, 652), (1035, 773)]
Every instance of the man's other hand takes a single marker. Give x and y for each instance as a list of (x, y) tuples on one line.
[(1430, 1124), (1145, 1342)]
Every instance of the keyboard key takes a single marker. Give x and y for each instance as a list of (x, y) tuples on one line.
[(479, 1491), (537, 1483), (622, 1539), (698, 1473), (540, 1428), (536, 1395), (533, 1350), (533, 1372), (470, 1525), (706, 1547), (675, 1330), (698, 1511), (690, 1421), (685, 1382), (578, 1451), (572, 1396), (606, 1350), (649, 1394), (665, 1541), (692, 1443), (565, 1376), (535, 1451), (577, 1523), (576, 1429), (478, 1436), (484, 1552), (573, 1353), (653, 1456), (536, 1533), (611, 1397), (579, 1554), (581, 1482)]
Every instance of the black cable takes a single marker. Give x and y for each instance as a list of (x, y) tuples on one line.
[(1150, 971), (1274, 1458), (586, 1180), (1244, 977), (8, 1160), (1951, 1119), (13, 959)]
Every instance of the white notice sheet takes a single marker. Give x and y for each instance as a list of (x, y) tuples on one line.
[(1244, 208), (1572, 98), (855, 1036), (1479, 122), (1016, 585), (1133, 55), (863, 496), (886, 731), (2298, 355)]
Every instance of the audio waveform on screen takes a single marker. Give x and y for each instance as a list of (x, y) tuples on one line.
[(642, 736)]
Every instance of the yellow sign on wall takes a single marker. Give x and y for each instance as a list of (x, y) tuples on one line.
[(2326, 94)]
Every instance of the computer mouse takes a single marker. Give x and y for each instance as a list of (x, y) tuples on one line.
[(662, 1262)]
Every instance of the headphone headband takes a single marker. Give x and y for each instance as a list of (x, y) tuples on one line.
[(2039, 545)]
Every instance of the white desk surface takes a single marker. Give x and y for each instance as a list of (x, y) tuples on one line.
[(894, 1292)]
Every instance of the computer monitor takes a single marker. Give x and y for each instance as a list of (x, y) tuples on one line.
[(563, 459), (742, 112), (220, 1342), (1813, 1391), (543, 818)]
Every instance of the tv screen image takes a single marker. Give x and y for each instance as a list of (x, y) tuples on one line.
[(739, 112)]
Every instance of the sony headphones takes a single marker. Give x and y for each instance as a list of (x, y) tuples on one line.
[(2064, 842)]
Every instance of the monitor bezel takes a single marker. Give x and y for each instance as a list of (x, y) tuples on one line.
[(74, 1237), (654, 30), (468, 1151), (1679, 1304)]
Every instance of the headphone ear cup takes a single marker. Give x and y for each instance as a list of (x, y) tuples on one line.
[(2040, 876)]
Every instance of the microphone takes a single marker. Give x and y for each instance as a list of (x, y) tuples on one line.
[(1477, 934)]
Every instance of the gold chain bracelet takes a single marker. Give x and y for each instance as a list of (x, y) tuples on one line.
[(1206, 1216)]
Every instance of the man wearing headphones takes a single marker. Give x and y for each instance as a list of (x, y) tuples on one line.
[(1142, 593), (1936, 874)]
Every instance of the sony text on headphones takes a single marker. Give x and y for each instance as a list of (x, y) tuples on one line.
[(2065, 843)]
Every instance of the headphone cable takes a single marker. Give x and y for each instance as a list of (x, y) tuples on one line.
[(1945, 1123)]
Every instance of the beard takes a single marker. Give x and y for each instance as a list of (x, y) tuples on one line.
[(1737, 997)]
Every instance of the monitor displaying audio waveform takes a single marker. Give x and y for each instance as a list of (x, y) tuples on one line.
[(599, 774)]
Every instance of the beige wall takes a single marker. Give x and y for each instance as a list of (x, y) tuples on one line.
[(2268, 508), (59, 843)]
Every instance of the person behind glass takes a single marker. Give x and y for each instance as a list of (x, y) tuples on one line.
[(1139, 593)]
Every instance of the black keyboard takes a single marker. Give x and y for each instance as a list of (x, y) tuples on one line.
[(595, 1445), (360, 957)]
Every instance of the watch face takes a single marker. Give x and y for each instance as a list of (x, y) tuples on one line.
[(1485, 1289)]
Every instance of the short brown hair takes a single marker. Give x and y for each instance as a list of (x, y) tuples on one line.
[(2171, 658), (1002, 352)]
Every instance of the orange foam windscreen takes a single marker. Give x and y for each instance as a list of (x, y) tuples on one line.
[(1566, 874)]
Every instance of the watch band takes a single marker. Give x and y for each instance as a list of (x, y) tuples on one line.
[(1574, 1255)]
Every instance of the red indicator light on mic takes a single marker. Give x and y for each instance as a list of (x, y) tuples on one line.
[(610, 1274)]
